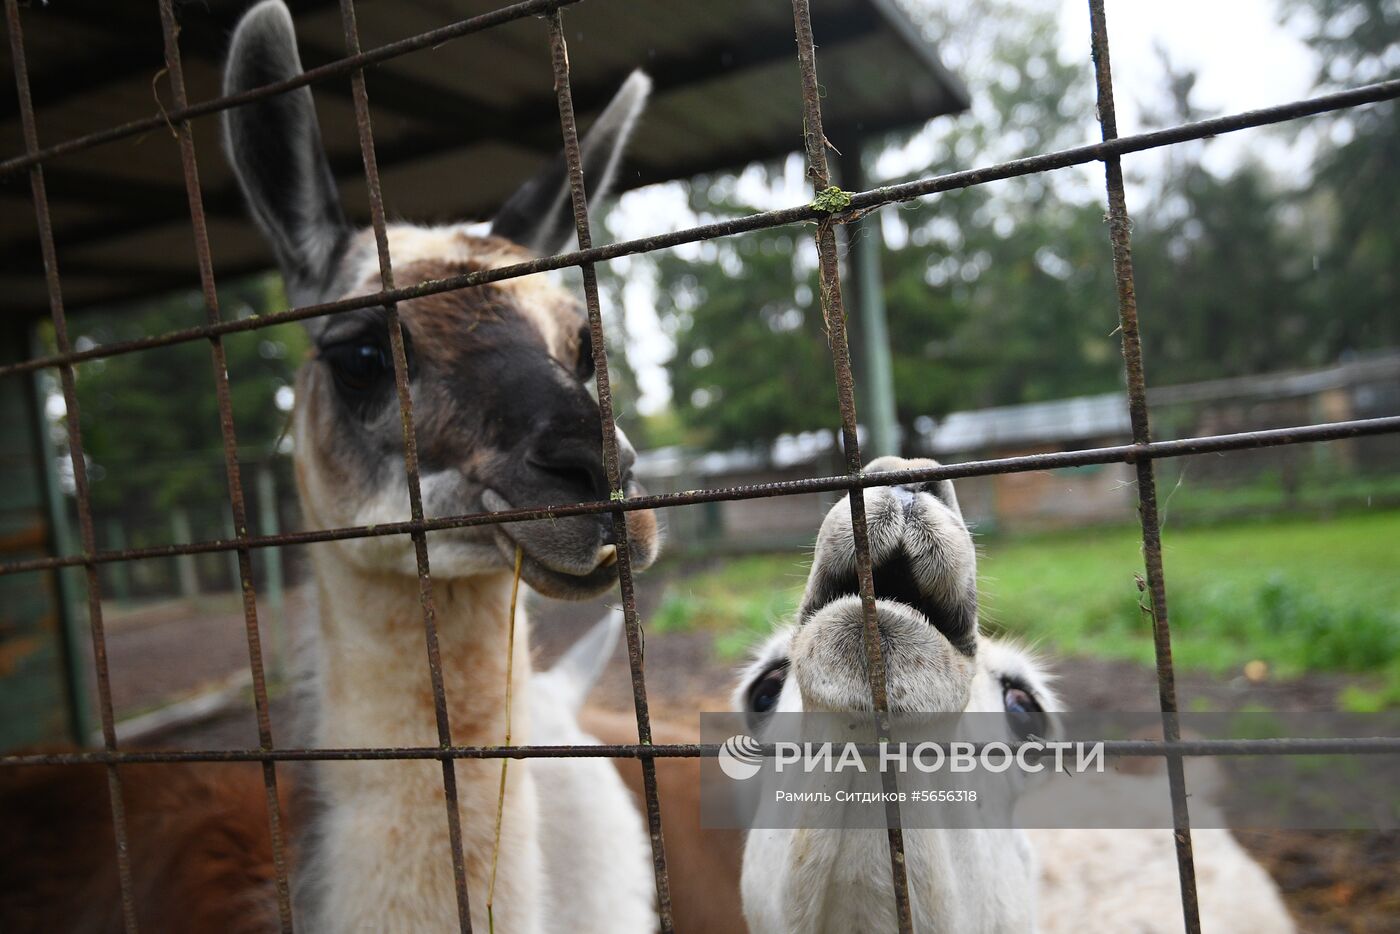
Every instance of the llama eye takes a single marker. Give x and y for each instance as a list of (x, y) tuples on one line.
[(763, 696), (358, 366), (1018, 701), (1023, 712)]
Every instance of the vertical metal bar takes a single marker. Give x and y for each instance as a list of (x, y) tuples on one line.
[(239, 512), (75, 452), (835, 314), (410, 456), (1121, 238), (559, 54)]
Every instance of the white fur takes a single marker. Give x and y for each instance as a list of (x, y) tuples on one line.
[(380, 858), (594, 828), (1070, 881)]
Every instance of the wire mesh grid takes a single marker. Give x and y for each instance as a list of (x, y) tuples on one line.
[(1141, 453)]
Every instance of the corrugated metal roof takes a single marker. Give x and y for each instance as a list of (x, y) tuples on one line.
[(1063, 419), (1081, 418), (457, 127)]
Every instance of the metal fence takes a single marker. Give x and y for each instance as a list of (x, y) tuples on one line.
[(827, 214)]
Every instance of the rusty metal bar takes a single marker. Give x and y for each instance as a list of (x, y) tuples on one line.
[(185, 134), (1123, 453), (1141, 453), (860, 201), (75, 452), (578, 196), (1196, 748), (834, 312), (1120, 236), (347, 65), (410, 457)]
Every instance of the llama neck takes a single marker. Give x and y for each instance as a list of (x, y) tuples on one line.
[(382, 850), (375, 688)]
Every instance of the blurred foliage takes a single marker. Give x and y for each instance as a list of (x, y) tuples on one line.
[(1356, 195), (750, 361), (150, 420), (999, 294), (1003, 294)]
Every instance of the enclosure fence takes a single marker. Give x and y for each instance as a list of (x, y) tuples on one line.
[(827, 213)]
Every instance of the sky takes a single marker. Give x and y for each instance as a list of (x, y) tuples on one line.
[(1243, 57)]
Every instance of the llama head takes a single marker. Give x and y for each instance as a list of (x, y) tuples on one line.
[(502, 411), (925, 575)]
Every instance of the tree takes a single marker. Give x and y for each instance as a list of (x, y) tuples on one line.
[(994, 294), (1357, 188), (150, 420), (751, 360)]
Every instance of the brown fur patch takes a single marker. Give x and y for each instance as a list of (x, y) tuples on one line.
[(200, 849), (446, 324), (704, 865), (439, 322)]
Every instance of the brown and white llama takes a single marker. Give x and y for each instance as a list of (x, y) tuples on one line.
[(504, 418), (960, 879)]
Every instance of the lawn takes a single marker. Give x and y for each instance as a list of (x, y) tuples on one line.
[(1296, 595)]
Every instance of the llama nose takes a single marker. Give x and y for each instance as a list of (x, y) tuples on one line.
[(576, 469), (905, 495)]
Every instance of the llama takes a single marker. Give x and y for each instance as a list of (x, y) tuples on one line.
[(202, 858), (937, 661), (504, 419)]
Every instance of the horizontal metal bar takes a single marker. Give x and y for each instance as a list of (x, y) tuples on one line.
[(1291, 746), (1124, 145), (1121, 453), (862, 201), (341, 66)]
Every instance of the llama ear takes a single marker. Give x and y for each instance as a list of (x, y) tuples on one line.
[(275, 147), (540, 215), (579, 669)]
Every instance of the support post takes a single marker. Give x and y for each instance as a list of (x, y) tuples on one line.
[(119, 572), (875, 377), (68, 583), (186, 572), (275, 582)]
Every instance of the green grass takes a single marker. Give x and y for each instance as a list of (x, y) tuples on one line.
[(1298, 595), (739, 601), (1316, 491)]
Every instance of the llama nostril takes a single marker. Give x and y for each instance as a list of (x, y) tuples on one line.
[(905, 496), (572, 474)]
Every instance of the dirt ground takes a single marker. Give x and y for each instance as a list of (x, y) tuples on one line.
[(1334, 882)]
